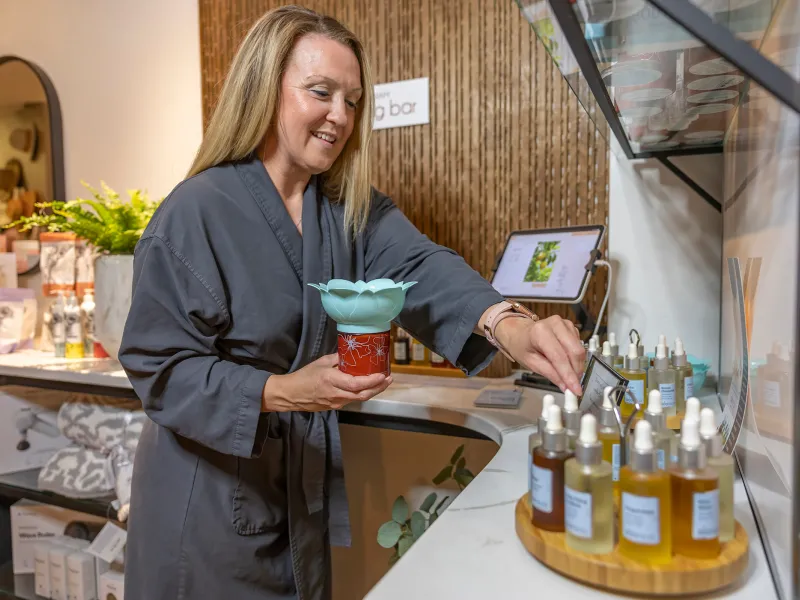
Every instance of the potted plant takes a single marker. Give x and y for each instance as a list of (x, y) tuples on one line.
[(113, 228)]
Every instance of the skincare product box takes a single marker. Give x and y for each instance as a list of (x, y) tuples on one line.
[(112, 584), (81, 577), (32, 522)]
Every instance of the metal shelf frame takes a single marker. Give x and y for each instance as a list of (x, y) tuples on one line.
[(717, 37)]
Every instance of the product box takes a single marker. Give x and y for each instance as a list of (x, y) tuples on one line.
[(32, 522), (57, 261), (41, 554), (81, 577), (84, 267), (112, 585), (58, 570)]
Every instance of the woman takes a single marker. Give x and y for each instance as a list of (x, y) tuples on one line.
[(238, 487)]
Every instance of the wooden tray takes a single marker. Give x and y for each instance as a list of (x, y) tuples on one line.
[(682, 577)]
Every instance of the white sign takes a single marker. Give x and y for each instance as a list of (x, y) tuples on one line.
[(402, 103)]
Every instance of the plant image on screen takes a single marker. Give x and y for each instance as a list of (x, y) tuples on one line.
[(541, 265)]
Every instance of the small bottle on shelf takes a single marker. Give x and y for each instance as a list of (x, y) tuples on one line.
[(685, 376), (588, 495), (593, 348), (636, 381), (607, 355), (664, 379), (87, 323), (645, 527), (402, 356), (72, 323), (572, 418), (548, 474), (535, 439), (662, 341), (721, 463), (644, 361), (419, 353), (437, 360), (58, 323), (664, 439), (609, 436), (617, 361), (695, 498)]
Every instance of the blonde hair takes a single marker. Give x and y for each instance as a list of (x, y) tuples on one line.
[(248, 105)]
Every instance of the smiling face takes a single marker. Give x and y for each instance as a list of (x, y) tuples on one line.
[(320, 92)]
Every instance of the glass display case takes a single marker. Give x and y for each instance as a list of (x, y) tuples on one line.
[(674, 77), (669, 75)]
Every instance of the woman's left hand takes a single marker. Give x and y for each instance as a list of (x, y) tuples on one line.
[(550, 347)]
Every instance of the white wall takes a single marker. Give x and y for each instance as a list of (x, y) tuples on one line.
[(665, 245), (128, 79)]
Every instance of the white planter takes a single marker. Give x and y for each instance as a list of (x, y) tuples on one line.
[(113, 282)]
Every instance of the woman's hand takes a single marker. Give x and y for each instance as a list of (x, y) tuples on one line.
[(320, 386), (550, 347)]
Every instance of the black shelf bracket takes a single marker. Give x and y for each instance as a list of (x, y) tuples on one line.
[(699, 190)]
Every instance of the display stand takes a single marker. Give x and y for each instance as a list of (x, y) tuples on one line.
[(682, 577)]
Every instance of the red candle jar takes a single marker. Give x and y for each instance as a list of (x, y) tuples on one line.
[(364, 353)]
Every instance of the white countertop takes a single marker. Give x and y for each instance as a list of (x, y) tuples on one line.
[(472, 551)]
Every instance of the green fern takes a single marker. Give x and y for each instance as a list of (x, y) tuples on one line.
[(105, 221)]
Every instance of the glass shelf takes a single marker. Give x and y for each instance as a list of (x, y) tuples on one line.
[(657, 86)]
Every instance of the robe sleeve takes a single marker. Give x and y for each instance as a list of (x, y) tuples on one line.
[(445, 305), (170, 355)]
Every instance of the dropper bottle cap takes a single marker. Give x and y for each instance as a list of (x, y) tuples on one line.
[(593, 345), (662, 362), (712, 440), (572, 417), (607, 417), (547, 402), (662, 339), (654, 413), (588, 450), (607, 353), (643, 457), (612, 340), (692, 409), (554, 437), (691, 453), (632, 358), (596, 339), (679, 354)]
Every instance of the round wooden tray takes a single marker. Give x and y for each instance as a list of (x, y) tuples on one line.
[(682, 577)]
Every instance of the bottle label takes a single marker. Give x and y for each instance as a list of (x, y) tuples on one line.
[(615, 462), (637, 387), (530, 481), (641, 520), (688, 387), (542, 489), (436, 359), (73, 325), (417, 351), (400, 351), (705, 515), (772, 394), (578, 513), (660, 458), (667, 394)]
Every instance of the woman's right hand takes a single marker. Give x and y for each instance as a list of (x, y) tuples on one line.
[(320, 386)]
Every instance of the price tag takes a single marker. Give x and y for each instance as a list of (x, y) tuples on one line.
[(109, 543)]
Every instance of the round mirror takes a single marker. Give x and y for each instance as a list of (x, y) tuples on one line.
[(31, 154)]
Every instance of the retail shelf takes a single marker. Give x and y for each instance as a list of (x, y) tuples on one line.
[(16, 587), (24, 485)]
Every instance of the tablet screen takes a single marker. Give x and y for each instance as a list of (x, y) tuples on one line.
[(547, 264)]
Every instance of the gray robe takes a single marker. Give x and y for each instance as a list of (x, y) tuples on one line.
[(227, 501)]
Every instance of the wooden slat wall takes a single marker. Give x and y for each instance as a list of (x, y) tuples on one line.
[(508, 147)]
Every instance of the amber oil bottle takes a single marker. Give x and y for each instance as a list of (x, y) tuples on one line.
[(645, 528), (637, 380), (548, 474), (695, 498), (535, 439)]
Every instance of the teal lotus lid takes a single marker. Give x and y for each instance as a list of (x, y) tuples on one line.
[(363, 306)]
